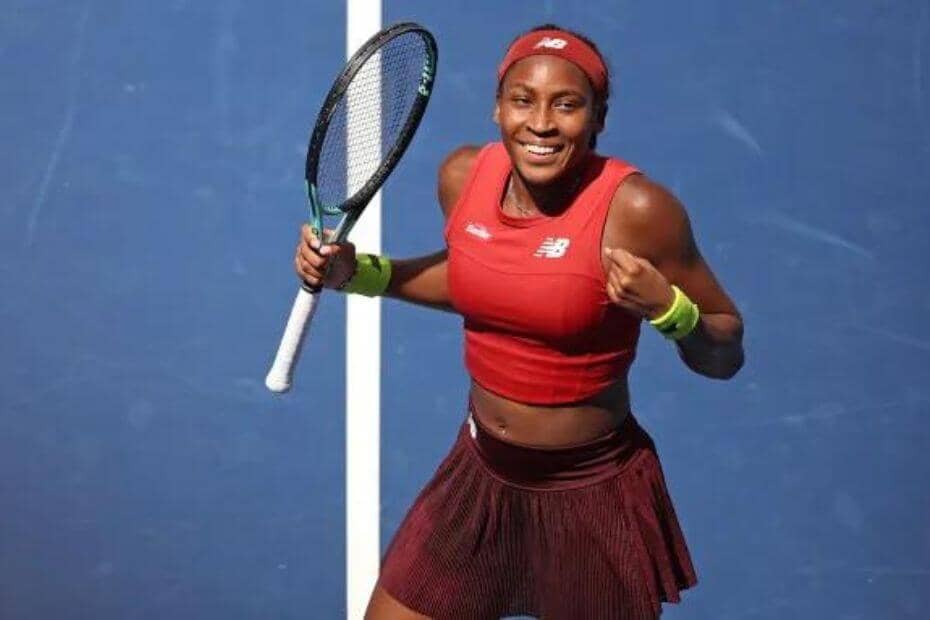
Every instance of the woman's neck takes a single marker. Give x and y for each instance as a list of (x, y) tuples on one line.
[(530, 200)]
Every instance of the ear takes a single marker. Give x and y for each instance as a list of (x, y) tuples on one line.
[(496, 115)]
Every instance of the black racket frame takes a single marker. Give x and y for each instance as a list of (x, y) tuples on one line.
[(355, 204)]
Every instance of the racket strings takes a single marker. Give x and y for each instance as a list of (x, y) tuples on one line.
[(370, 118)]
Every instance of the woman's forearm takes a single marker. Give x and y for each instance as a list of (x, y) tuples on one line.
[(421, 280), (715, 347)]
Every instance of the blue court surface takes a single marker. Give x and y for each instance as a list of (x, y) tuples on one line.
[(152, 190)]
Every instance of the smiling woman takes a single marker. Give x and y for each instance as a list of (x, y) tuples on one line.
[(548, 115), (552, 501)]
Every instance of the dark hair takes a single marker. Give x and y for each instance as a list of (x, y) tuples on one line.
[(600, 98)]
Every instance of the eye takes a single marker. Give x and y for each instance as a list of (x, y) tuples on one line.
[(567, 104)]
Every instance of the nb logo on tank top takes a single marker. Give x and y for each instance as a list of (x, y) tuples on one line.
[(553, 247), (552, 43)]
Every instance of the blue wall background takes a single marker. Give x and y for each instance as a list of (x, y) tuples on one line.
[(151, 194)]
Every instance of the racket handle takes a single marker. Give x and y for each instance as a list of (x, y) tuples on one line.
[(282, 370)]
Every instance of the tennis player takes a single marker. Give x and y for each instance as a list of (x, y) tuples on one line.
[(552, 501)]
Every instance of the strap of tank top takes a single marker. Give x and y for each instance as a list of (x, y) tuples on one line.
[(595, 222), (616, 173), (476, 167)]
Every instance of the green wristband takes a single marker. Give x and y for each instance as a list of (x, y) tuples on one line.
[(679, 320), (372, 275)]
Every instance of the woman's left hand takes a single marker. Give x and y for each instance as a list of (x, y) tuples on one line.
[(634, 284)]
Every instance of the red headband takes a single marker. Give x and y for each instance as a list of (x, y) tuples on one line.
[(562, 44)]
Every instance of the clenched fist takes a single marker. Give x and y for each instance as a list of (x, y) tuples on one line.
[(636, 285), (333, 264)]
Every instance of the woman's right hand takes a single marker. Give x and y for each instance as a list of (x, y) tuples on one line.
[(333, 264)]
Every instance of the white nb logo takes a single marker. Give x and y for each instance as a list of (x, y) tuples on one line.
[(556, 44), (553, 247)]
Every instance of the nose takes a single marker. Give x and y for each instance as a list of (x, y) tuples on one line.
[(540, 121)]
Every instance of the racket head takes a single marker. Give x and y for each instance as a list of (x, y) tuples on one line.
[(385, 88)]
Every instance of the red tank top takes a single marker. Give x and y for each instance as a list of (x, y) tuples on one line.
[(539, 327)]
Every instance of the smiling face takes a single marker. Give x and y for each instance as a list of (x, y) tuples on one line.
[(547, 113)]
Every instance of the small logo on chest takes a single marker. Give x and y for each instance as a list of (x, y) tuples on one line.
[(478, 230), (553, 247)]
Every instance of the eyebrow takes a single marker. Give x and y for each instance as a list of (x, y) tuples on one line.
[(560, 93)]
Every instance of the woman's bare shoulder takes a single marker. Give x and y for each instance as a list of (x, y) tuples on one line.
[(648, 220), (453, 173)]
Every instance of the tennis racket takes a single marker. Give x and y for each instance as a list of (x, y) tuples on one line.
[(361, 132)]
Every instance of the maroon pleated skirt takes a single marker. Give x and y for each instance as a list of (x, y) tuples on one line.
[(585, 532)]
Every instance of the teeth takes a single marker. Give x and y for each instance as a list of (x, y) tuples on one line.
[(539, 150)]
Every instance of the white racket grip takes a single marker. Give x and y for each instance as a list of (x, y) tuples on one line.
[(282, 370)]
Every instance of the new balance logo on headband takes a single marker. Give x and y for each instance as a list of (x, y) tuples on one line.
[(552, 43)]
